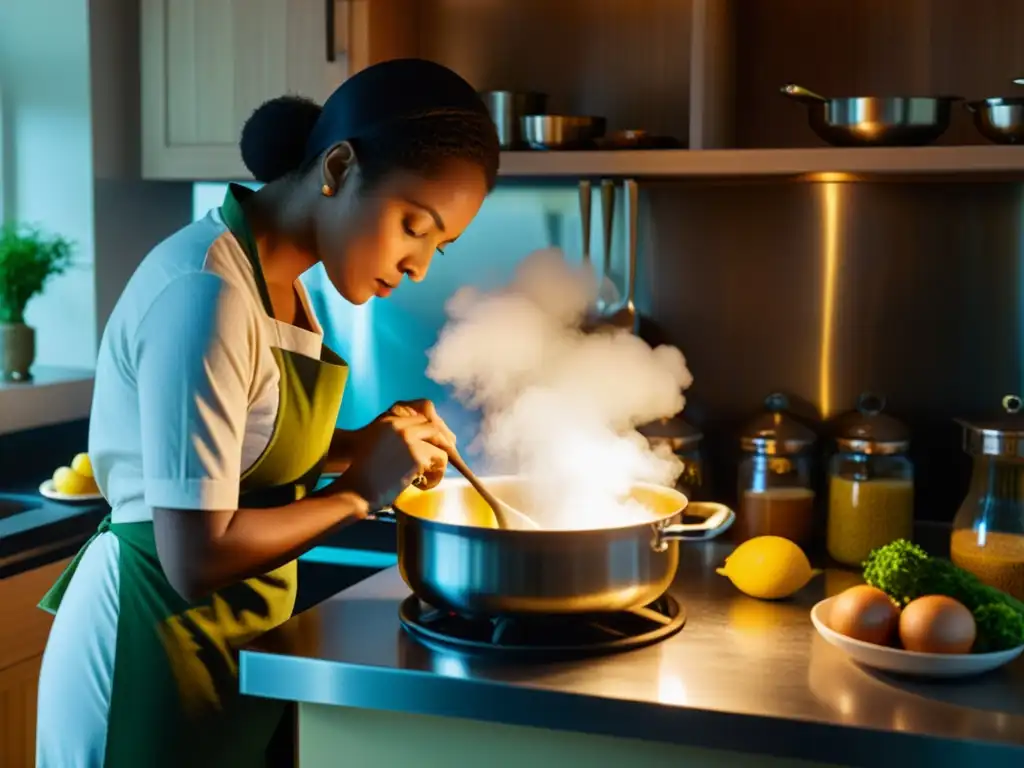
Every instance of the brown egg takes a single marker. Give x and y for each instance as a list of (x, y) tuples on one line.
[(937, 624), (864, 613)]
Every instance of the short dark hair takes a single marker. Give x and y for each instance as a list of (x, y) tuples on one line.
[(417, 115)]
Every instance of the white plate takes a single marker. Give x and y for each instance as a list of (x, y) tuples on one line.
[(908, 662), (47, 490)]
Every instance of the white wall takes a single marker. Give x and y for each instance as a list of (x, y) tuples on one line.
[(48, 177)]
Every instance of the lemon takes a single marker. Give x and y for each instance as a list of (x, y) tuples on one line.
[(82, 465), (768, 567), (66, 480)]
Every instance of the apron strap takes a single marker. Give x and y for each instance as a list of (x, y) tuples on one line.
[(234, 217), (52, 599)]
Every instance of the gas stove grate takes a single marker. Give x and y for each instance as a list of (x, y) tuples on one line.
[(547, 637)]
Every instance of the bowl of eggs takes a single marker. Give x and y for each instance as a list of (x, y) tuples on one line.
[(930, 636)]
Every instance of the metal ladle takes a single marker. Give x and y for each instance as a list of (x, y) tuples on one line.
[(607, 226), (625, 316)]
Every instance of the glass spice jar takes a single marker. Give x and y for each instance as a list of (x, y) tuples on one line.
[(683, 440), (776, 495), (988, 530), (870, 484)]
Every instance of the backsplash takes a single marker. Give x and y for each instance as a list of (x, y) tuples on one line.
[(821, 290), (825, 290)]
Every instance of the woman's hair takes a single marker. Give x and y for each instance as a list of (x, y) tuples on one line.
[(405, 114)]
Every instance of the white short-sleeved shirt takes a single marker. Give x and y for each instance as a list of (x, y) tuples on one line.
[(186, 388)]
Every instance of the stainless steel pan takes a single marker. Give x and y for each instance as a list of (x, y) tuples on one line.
[(1000, 120), (460, 562), (875, 121)]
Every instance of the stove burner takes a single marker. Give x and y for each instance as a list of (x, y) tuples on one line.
[(544, 637)]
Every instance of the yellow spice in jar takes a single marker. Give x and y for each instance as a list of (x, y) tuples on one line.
[(866, 514), (995, 558)]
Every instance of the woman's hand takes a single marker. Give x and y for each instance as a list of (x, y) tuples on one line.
[(409, 442)]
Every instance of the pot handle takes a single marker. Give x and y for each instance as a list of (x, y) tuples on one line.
[(717, 520), (801, 94), (383, 515)]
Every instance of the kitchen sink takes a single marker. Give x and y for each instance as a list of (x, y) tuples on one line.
[(11, 504)]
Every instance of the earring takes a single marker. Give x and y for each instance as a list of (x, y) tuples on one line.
[(327, 190)]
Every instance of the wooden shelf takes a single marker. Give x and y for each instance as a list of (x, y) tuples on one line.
[(681, 163)]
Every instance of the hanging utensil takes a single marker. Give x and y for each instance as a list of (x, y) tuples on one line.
[(625, 316), (607, 294), (585, 193)]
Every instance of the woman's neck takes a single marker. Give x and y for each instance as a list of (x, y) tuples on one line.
[(282, 230)]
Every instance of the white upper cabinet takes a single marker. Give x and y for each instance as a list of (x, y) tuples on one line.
[(207, 64)]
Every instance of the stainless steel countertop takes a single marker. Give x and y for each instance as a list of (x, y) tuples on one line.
[(743, 675)]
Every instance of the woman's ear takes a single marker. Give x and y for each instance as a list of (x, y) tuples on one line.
[(337, 162)]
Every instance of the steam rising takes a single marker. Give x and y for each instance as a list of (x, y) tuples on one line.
[(558, 405)]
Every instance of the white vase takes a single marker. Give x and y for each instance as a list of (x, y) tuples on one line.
[(17, 351)]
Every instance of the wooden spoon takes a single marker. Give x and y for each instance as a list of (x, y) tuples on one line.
[(505, 516)]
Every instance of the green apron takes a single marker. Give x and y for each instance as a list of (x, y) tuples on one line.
[(175, 700)]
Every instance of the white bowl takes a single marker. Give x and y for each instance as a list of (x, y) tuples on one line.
[(908, 662), (47, 490)]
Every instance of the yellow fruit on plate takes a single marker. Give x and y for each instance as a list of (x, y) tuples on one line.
[(768, 567), (66, 480), (82, 465)]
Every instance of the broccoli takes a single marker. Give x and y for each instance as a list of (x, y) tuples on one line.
[(999, 627), (906, 572)]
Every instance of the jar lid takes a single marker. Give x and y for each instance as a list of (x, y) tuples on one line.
[(675, 430), (999, 436), (775, 432), (869, 431)]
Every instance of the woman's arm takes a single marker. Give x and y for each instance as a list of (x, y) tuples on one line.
[(205, 551), (339, 456), (347, 443), (195, 352)]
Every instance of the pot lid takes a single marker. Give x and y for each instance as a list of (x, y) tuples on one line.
[(674, 428), (1002, 435), (867, 430), (775, 431)]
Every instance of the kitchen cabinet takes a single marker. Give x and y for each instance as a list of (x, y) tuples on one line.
[(207, 64), (18, 685), (706, 72), (23, 632)]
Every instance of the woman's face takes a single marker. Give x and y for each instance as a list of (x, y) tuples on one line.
[(369, 240)]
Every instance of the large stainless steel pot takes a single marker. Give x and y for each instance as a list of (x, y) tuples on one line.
[(462, 563)]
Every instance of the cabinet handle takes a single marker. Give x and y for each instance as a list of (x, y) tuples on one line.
[(329, 13)]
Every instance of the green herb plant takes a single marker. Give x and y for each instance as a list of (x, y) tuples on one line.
[(27, 260)]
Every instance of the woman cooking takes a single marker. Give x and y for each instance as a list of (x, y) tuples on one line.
[(214, 416)]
